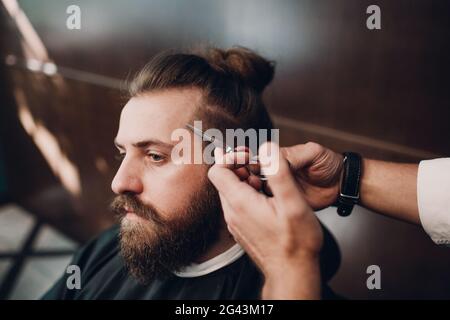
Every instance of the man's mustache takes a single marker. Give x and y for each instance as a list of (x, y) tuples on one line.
[(124, 203)]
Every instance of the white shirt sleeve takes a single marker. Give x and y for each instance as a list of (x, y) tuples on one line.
[(433, 196)]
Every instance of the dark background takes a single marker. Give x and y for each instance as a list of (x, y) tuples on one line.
[(383, 93)]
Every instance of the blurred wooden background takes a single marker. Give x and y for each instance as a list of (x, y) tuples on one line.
[(384, 93)]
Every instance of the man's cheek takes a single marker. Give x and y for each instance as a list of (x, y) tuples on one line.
[(172, 187), (165, 196)]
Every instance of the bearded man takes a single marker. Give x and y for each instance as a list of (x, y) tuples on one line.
[(172, 241)]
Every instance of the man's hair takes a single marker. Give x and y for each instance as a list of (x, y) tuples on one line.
[(232, 82)]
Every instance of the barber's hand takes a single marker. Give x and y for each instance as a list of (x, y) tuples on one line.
[(280, 233), (317, 171)]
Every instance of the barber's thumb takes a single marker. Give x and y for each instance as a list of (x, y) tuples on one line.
[(301, 155), (218, 156), (269, 158)]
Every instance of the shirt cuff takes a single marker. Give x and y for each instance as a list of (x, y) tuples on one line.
[(433, 198)]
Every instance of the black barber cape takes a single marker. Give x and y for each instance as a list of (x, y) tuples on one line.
[(104, 276)]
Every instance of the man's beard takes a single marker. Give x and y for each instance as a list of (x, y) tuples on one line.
[(153, 247)]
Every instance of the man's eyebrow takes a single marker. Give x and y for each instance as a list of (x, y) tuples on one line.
[(145, 143)]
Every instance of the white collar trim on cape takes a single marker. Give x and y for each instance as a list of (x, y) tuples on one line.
[(200, 269)]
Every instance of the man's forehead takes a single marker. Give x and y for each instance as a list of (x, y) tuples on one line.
[(156, 115)]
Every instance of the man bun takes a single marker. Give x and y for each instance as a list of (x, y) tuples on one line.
[(254, 70)]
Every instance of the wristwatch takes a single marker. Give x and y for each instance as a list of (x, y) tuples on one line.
[(349, 191)]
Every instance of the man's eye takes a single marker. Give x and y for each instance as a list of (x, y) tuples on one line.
[(155, 157), (119, 157)]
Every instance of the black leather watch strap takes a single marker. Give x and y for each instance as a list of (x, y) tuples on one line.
[(349, 193)]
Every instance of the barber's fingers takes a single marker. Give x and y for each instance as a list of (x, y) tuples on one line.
[(242, 173), (255, 182), (242, 148), (239, 194), (237, 205), (232, 160), (239, 162), (254, 167), (283, 186), (241, 156), (302, 155), (251, 166)]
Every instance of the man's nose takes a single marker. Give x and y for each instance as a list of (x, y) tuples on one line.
[(127, 180)]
